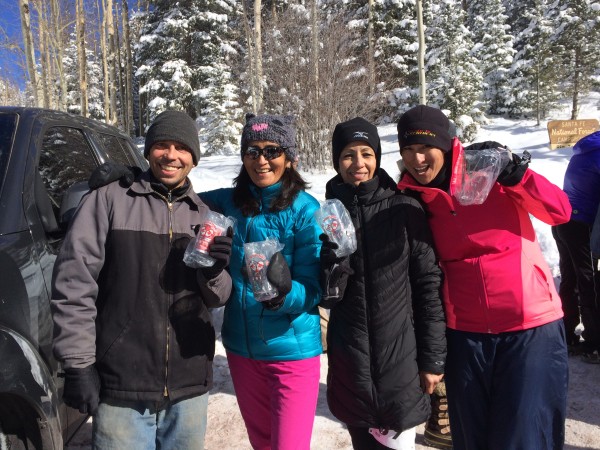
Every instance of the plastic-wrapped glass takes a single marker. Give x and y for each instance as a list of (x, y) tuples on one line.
[(334, 219), (481, 169), (257, 256), (196, 254)]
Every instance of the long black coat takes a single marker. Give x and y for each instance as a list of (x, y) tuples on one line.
[(390, 323)]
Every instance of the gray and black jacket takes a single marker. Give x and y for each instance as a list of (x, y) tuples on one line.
[(390, 323), (122, 297)]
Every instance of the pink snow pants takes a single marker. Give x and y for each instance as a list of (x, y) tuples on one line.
[(277, 399)]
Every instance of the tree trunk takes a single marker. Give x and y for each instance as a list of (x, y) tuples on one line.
[(29, 51), (258, 54), (57, 44), (251, 57), (119, 70), (111, 59), (81, 57), (371, 56), (128, 99), (107, 113), (576, 82), (44, 59)]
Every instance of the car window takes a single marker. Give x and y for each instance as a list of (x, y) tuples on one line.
[(8, 124), (115, 150), (65, 158)]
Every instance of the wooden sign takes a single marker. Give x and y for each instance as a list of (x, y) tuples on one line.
[(565, 133)]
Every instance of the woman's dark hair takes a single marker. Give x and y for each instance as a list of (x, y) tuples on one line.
[(291, 183)]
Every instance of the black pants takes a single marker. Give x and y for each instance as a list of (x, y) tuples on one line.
[(362, 439), (579, 287)]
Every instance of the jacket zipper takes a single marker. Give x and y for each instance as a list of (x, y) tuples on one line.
[(244, 305), (359, 216), (168, 330)]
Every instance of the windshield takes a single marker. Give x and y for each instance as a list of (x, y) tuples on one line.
[(8, 124)]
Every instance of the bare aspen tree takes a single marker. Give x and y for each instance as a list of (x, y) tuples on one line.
[(44, 59), (104, 61), (251, 57), (111, 59), (56, 40), (314, 53), (81, 57), (29, 50), (258, 73), (371, 55), (118, 68), (128, 97)]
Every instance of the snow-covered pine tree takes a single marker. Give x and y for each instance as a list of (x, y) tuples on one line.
[(396, 54), (165, 58), (220, 112), (453, 74), (182, 64), (487, 20), (576, 48), (95, 93), (533, 79)]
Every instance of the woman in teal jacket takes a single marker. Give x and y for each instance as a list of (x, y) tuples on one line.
[(273, 347)]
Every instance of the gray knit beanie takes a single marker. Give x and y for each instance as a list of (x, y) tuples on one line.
[(274, 128), (174, 126)]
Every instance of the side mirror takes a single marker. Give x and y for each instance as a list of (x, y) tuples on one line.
[(70, 202)]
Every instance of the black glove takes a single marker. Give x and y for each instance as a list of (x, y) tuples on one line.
[(515, 170), (513, 173), (82, 389), (220, 250), (112, 171), (278, 274), (334, 273)]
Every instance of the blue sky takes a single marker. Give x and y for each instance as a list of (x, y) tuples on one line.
[(11, 58)]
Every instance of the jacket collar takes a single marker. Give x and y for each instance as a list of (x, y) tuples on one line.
[(376, 189), (143, 186)]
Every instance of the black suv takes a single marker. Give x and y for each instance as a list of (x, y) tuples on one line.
[(46, 158)]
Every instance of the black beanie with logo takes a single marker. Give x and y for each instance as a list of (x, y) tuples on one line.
[(174, 126), (425, 125), (357, 129)]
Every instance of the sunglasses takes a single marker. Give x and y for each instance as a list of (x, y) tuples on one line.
[(268, 152)]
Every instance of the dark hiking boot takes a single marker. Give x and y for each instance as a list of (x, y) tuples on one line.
[(437, 430)]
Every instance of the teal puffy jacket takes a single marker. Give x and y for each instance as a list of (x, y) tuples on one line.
[(292, 332)]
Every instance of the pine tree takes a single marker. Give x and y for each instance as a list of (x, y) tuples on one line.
[(396, 53), (182, 64), (453, 73), (493, 48), (533, 79), (95, 92), (576, 40)]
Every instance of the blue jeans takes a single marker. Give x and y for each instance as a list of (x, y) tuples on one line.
[(165, 425)]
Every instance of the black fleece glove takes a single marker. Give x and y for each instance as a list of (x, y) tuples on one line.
[(112, 171), (278, 274), (82, 389), (334, 273), (220, 250), (514, 171)]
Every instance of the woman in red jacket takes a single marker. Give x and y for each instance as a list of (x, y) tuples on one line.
[(506, 370)]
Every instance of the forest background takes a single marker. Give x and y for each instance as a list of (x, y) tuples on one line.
[(322, 61)]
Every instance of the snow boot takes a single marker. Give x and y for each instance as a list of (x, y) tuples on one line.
[(437, 430)]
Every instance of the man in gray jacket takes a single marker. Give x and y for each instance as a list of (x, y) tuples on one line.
[(131, 321)]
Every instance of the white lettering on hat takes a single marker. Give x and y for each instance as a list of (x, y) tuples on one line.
[(361, 134)]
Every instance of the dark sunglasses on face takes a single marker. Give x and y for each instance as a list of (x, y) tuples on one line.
[(268, 152)]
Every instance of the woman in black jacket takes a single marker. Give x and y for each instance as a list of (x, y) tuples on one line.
[(386, 337)]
